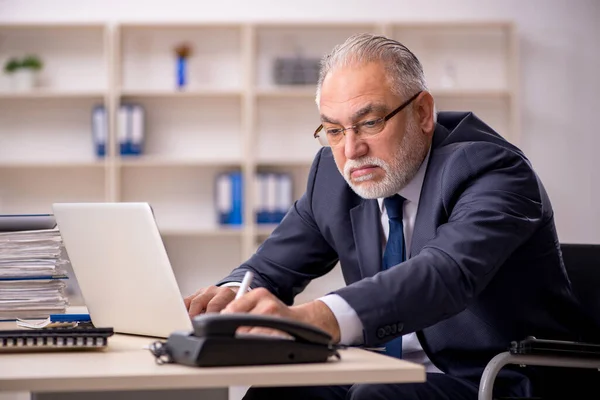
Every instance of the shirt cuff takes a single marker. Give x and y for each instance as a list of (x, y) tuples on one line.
[(351, 328), (234, 284)]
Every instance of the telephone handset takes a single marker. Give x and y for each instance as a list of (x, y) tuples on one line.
[(226, 325), (214, 342)]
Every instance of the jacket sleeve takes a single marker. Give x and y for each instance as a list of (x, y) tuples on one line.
[(294, 254), (494, 206)]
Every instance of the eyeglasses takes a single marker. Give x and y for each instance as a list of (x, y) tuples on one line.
[(369, 128)]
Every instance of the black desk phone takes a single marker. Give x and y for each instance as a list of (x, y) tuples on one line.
[(214, 342)]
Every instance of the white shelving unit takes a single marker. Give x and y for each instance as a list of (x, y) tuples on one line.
[(231, 116), (45, 143), (469, 66)]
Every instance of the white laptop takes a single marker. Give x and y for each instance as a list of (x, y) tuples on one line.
[(122, 267)]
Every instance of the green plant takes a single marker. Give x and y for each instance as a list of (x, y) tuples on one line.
[(28, 62), (12, 65), (32, 62)]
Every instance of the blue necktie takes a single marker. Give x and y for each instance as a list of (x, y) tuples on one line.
[(394, 254)]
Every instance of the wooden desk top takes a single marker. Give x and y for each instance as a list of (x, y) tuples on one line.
[(126, 365)]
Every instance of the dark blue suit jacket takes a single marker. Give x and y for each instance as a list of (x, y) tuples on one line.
[(485, 268)]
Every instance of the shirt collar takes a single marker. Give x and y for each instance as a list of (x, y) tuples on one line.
[(412, 191)]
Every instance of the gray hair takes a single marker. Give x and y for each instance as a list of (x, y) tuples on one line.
[(404, 70)]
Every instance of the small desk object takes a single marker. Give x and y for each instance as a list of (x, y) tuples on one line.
[(127, 364)]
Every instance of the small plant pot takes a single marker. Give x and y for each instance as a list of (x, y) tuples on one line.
[(23, 80)]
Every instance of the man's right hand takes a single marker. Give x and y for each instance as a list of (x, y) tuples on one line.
[(210, 299)]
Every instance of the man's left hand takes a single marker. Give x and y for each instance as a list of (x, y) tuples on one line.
[(262, 302)]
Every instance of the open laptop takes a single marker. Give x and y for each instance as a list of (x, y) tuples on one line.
[(122, 267)]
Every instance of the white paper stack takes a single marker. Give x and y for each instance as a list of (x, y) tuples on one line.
[(32, 274)]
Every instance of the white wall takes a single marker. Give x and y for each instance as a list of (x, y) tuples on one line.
[(560, 64)]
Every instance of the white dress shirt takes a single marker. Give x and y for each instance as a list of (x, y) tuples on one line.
[(351, 328)]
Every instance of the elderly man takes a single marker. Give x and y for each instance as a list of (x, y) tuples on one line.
[(444, 233)]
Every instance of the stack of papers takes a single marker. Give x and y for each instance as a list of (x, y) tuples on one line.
[(32, 274)]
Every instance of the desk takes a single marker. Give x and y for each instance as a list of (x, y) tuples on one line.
[(126, 365)]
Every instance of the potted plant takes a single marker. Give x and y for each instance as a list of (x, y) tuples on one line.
[(24, 72)]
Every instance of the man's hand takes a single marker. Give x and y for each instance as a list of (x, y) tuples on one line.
[(261, 301), (210, 299)]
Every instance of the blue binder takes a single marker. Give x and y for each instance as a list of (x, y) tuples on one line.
[(131, 129), (99, 130), (229, 198)]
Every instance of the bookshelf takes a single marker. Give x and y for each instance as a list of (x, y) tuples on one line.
[(232, 116)]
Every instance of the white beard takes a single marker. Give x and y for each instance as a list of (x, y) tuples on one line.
[(404, 166)]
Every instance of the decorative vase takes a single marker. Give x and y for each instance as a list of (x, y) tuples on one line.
[(23, 80), (181, 72)]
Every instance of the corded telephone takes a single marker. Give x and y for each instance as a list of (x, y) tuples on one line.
[(214, 342)]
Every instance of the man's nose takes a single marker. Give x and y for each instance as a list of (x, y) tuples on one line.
[(353, 146)]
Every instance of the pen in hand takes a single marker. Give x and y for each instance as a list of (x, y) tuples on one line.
[(245, 284)]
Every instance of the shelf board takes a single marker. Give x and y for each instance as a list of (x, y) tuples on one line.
[(446, 24), (216, 231), (471, 93), (52, 25), (310, 92), (331, 24), (288, 91), (301, 163), (162, 161), (179, 25), (192, 93), (52, 94), (52, 164)]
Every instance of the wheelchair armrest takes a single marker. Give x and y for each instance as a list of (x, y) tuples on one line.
[(559, 348)]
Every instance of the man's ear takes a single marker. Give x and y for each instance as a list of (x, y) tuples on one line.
[(424, 109)]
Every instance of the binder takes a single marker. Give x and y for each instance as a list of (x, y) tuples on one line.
[(261, 199), (123, 129), (223, 198), (229, 193), (135, 139), (284, 196), (80, 337), (99, 130), (130, 129), (237, 203), (271, 198)]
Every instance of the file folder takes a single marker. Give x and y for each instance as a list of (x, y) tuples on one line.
[(123, 129), (223, 198), (136, 135), (284, 196), (271, 198), (237, 198), (130, 129), (99, 130), (229, 193)]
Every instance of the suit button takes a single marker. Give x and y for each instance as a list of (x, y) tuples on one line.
[(380, 333), (388, 330)]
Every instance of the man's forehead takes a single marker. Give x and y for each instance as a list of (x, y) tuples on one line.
[(354, 84)]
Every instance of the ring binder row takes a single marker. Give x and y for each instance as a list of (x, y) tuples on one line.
[(130, 129), (54, 341), (273, 197), (55, 338)]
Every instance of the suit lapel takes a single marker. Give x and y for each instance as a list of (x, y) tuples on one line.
[(425, 225), (367, 236)]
